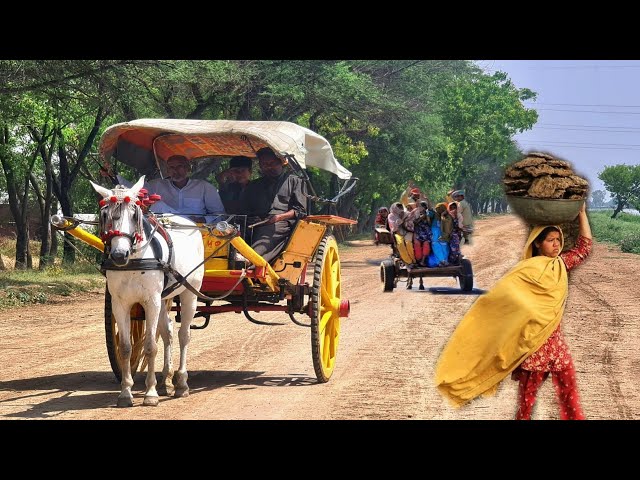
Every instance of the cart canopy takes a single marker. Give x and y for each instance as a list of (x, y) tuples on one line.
[(141, 143)]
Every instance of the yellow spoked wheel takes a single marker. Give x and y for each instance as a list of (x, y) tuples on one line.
[(138, 327), (325, 309)]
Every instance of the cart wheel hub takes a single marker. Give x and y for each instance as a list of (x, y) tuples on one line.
[(345, 308)]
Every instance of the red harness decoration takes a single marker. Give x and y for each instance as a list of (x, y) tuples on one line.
[(108, 235), (144, 202)]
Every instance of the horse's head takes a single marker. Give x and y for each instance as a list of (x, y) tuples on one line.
[(120, 220)]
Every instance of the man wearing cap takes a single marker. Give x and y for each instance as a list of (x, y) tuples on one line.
[(464, 209), (413, 196), (183, 195), (276, 200), (449, 196), (233, 181)]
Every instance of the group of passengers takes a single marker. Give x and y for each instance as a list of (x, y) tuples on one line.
[(428, 236), (273, 202)]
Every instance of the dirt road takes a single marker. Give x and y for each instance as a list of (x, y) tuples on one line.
[(55, 362)]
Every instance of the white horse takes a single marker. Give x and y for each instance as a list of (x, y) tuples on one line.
[(122, 231)]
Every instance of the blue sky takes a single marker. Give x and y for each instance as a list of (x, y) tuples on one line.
[(588, 110)]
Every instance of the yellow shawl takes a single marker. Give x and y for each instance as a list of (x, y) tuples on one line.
[(504, 327)]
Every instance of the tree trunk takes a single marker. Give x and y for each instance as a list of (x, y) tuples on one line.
[(17, 208), (619, 208), (44, 233), (29, 257), (45, 200), (53, 251), (68, 175), (22, 247)]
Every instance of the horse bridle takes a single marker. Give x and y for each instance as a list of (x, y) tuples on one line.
[(111, 218)]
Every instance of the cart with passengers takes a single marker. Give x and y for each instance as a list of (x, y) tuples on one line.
[(401, 266), (303, 282)]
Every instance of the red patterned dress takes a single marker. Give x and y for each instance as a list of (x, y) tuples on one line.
[(553, 357)]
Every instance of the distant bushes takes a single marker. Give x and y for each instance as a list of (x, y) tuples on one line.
[(624, 230), (630, 244)]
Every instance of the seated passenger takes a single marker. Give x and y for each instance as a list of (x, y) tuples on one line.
[(233, 181), (189, 197), (454, 241), (422, 233), (401, 224), (440, 231), (184, 195), (380, 222), (277, 201)]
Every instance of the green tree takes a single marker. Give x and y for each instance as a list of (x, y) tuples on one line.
[(597, 198), (481, 113), (623, 183)]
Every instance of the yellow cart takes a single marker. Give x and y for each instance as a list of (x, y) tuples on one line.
[(303, 280)]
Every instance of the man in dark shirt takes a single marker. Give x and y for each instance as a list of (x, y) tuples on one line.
[(277, 199), (233, 181)]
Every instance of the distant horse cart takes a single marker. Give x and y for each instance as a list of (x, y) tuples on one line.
[(156, 263), (399, 266)]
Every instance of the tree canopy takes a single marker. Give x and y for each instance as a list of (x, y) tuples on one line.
[(623, 182), (441, 123)]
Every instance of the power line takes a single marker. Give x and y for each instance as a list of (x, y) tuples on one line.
[(559, 67), (630, 130), (599, 144), (578, 125), (585, 105), (568, 145), (587, 111), (565, 67)]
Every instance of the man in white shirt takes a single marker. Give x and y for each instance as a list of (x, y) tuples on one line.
[(194, 198)]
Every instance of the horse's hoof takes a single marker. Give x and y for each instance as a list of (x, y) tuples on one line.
[(125, 402), (421, 287), (150, 401), (409, 287), (181, 393), (166, 391)]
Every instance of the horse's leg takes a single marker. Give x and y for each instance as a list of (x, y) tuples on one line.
[(123, 320), (165, 327), (152, 310), (188, 305)]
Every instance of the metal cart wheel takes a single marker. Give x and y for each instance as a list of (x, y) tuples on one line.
[(138, 327), (325, 309)]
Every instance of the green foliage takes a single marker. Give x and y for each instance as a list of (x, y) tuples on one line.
[(18, 298), (623, 182), (480, 115), (623, 230), (442, 123), (597, 198), (630, 244), (19, 288)]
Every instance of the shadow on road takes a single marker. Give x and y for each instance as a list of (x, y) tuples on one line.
[(453, 291), (103, 387)]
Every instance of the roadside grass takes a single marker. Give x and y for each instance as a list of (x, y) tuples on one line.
[(624, 230), (26, 287)]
